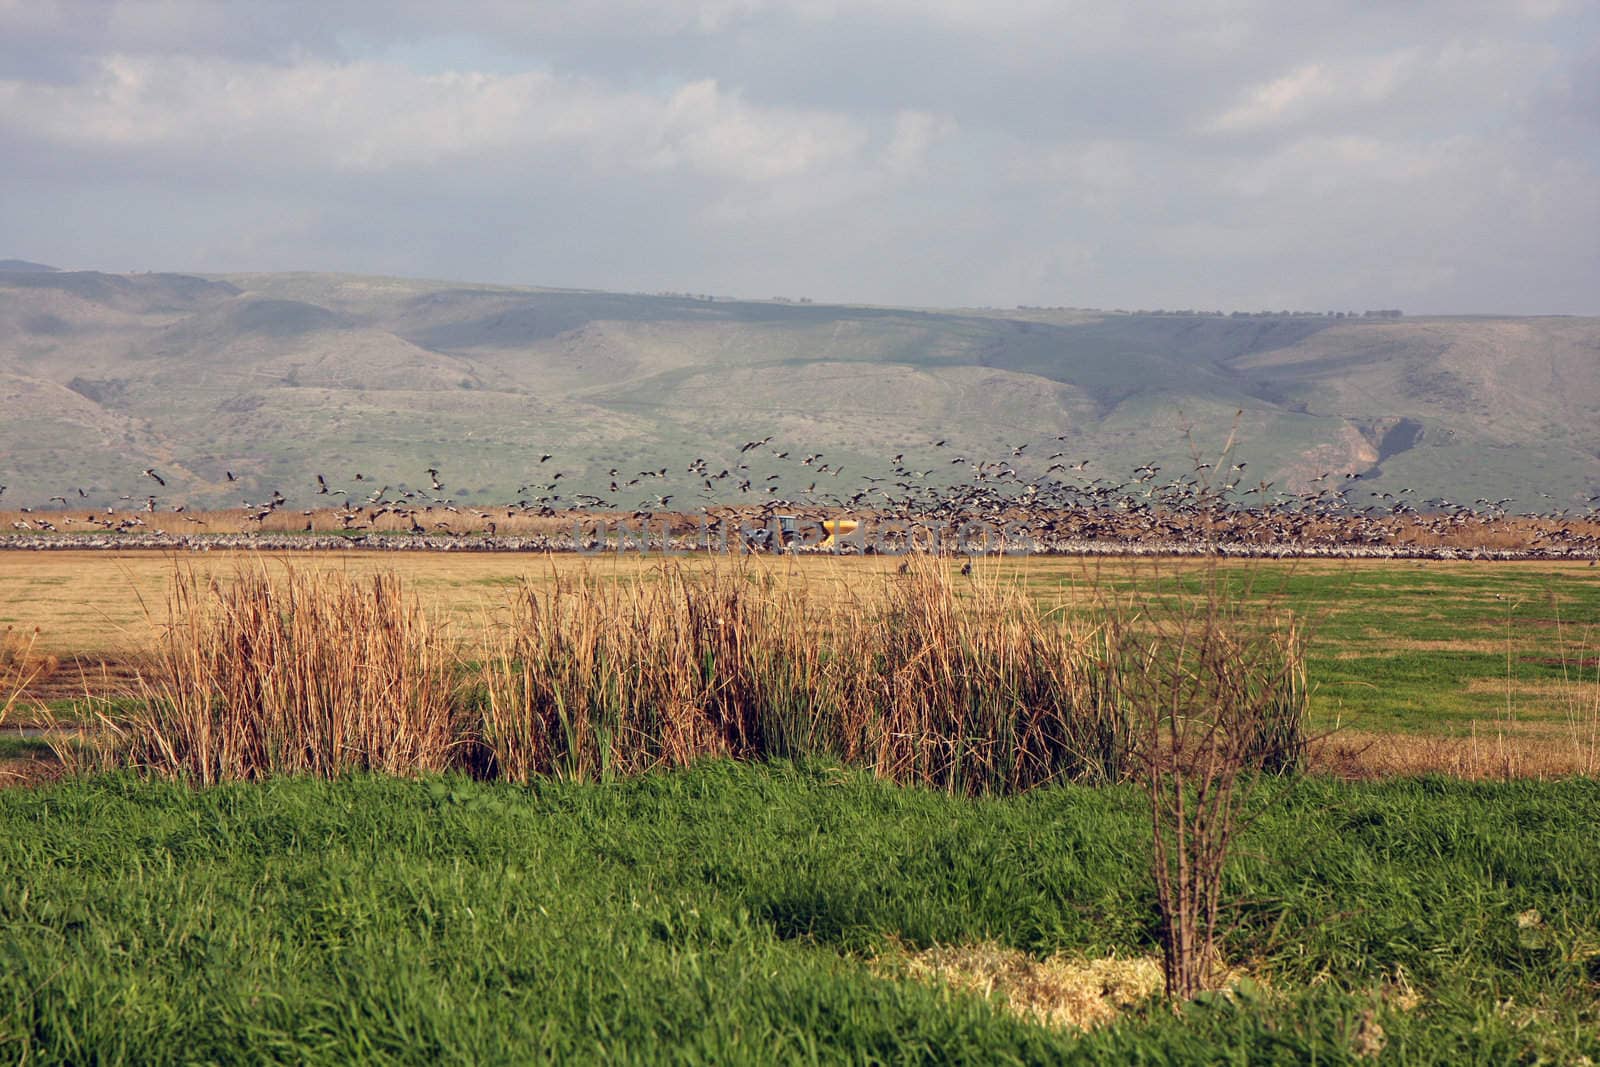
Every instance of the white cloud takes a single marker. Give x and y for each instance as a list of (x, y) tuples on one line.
[(1447, 82), (1317, 165), (915, 135), (366, 117), (718, 134), (1119, 153), (1303, 91)]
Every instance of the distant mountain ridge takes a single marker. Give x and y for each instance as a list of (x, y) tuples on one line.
[(279, 377), (23, 266)]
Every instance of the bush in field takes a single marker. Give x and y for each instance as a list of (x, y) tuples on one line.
[(1216, 699), (310, 673), (972, 689), (960, 684), (589, 678), (967, 689)]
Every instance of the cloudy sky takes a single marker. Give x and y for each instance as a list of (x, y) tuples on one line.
[(1436, 156)]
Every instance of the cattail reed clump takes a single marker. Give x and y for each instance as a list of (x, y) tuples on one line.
[(957, 683), (310, 673), (589, 677), (972, 688), (969, 689)]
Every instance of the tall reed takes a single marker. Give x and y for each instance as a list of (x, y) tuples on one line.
[(1579, 692), (973, 689), (20, 667), (951, 682), (304, 673), (589, 677), (969, 688)]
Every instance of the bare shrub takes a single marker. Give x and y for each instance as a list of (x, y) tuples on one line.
[(1216, 700)]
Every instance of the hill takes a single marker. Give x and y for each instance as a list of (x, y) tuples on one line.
[(279, 377)]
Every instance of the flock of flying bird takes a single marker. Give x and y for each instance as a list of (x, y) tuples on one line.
[(1044, 498)]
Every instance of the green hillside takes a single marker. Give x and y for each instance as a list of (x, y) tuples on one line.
[(279, 377)]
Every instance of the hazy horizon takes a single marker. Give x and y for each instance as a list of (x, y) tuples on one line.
[(1148, 308)]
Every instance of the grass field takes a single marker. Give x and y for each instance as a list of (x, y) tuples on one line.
[(1396, 646), (739, 914), (774, 910)]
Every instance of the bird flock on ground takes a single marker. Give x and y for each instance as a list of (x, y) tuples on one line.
[(1039, 493)]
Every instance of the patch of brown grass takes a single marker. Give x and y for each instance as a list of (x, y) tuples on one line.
[(1389, 644), (20, 667), (24, 771), (1061, 991), (1537, 688), (1484, 754)]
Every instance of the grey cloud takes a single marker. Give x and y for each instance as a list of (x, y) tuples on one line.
[(1232, 154)]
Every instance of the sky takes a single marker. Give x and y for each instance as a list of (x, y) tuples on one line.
[(1440, 157)]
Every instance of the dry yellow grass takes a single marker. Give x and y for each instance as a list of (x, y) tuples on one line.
[(1061, 991), (1544, 689), (21, 665), (93, 602), (948, 682), (1488, 752), (1392, 644)]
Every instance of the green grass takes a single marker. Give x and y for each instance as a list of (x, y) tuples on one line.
[(1410, 647), (13, 747), (727, 913)]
